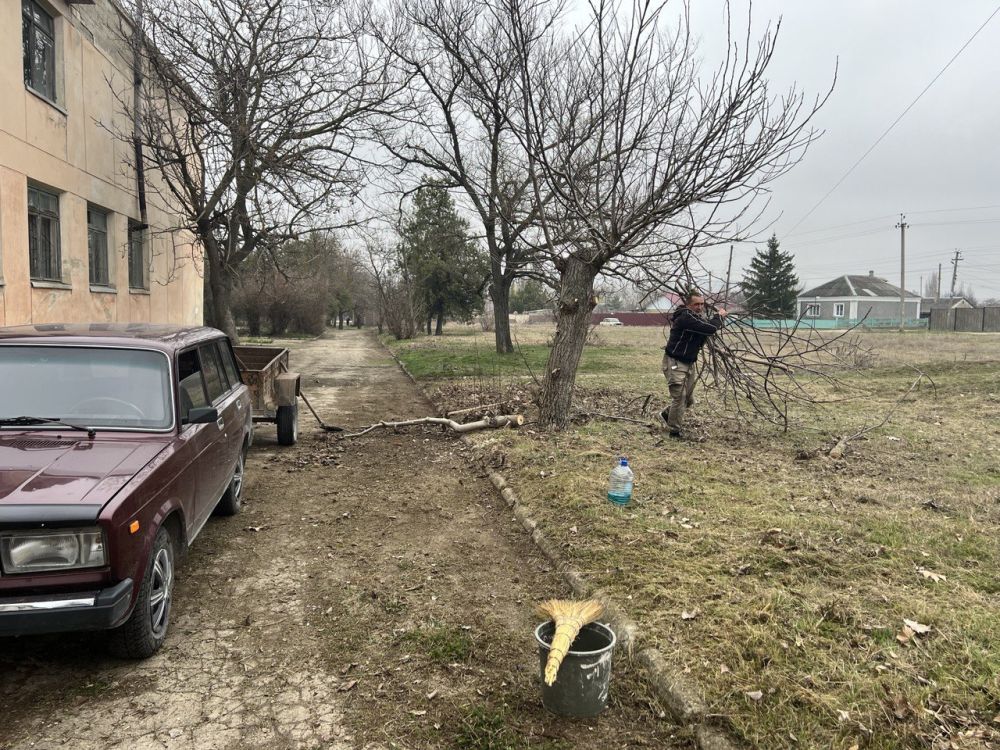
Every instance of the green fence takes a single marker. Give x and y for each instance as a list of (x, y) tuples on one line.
[(836, 323)]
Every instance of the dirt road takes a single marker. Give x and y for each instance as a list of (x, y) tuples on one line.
[(374, 593)]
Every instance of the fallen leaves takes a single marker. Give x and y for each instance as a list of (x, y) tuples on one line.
[(912, 629), (930, 574)]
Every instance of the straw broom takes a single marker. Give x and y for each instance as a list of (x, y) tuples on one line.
[(569, 617)]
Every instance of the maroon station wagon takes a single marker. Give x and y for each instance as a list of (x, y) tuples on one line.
[(117, 443)]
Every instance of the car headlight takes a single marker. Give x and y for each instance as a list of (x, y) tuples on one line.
[(62, 549)]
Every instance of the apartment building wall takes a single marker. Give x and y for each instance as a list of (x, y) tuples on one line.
[(71, 145)]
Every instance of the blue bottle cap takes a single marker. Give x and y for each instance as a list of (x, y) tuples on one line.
[(624, 461)]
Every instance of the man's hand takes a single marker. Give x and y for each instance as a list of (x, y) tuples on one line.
[(721, 312)]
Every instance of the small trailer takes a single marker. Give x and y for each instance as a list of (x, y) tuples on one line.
[(274, 389)]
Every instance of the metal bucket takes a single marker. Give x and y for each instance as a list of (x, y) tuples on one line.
[(584, 679)]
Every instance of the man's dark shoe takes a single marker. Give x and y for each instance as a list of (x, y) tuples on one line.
[(676, 434)]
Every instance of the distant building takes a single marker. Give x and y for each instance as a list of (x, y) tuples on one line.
[(855, 297), (945, 303), (664, 303), (73, 247)]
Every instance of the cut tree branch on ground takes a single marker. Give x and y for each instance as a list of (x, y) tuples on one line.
[(503, 420), (838, 450), (469, 410)]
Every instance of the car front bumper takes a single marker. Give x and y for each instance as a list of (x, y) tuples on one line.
[(60, 613)]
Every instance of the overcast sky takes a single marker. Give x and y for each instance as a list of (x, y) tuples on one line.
[(940, 165)]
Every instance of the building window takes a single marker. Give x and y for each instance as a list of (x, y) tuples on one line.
[(43, 235), (812, 311), (38, 34), (136, 257), (838, 310), (97, 245)]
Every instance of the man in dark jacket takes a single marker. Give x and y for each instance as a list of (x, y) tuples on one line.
[(689, 331)]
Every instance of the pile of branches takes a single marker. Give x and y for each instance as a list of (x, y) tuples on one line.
[(762, 372)]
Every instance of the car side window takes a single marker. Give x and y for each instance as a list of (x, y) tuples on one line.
[(191, 385), (215, 379), (227, 363)]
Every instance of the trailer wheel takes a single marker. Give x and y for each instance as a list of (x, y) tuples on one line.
[(288, 424)]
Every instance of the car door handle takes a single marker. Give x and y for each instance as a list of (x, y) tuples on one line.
[(221, 423)]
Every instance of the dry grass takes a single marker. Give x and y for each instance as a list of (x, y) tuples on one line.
[(799, 569)]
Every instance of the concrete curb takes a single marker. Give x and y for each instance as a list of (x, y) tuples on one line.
[(679, 696)]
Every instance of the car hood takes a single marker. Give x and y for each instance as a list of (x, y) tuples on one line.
[(42, 470)]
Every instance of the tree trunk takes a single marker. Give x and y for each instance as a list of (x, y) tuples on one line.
[(340, 320), (500, 294), (221, 292), (576, 301), (439, 328), (253, 322), (430, 319)]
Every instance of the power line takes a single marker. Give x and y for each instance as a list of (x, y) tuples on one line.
[(888, 216), (946, 210), (896, 121), (840, 226), (952, 223)]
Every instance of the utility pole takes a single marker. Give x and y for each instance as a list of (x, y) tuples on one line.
[(954, 271), (901, 226), (937, 296)]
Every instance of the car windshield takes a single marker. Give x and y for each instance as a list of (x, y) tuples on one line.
[(96, 387)]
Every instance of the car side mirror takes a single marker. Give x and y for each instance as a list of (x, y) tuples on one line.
[(202, 415)]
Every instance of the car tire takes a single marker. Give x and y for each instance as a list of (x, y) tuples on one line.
[(145, 630), (232, 499), (288, 424)]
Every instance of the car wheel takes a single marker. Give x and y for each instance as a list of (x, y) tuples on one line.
[(145, 630), (232, 499), (288, 424)]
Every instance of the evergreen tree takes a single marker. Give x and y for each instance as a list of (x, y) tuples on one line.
[(770, 284), (441, 258), (529, 295)]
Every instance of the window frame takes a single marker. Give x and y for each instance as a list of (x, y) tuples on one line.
[(31, 27), (813, 310), (54, 259), (212, 359), (97, 232), (201, 376), (133, 248), (229, 365), (842, 307)]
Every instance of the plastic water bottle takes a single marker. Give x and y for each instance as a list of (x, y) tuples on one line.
[(620, 484)]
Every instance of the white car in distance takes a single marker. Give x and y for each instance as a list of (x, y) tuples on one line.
[(611, 322)]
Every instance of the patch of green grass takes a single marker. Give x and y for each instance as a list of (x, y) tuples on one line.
[(487, 728), (442, 644), (392, 605), (483, 728), (472, 357)]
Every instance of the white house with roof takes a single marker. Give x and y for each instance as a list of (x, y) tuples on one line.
[(854, 297)]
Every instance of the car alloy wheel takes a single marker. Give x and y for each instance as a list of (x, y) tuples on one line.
[(160, 590)]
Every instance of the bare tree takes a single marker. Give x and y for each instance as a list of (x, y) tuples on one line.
[(457, 123), (251, 114), (637, 159), (397, 305)]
